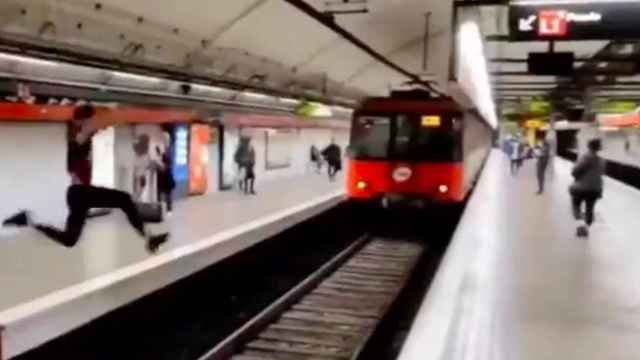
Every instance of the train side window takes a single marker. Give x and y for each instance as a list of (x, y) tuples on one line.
[(370, 137)]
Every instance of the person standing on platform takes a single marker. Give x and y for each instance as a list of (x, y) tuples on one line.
[(588, 186), (166, 183), (333, 156), (81, 196), (245, 157), (542, 152)]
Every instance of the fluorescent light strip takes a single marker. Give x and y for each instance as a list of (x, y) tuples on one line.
[(289, 100), (472, 71), (131, 76), (342, 108), (141, 91), (255, 95), (208, 87), (26, 59)]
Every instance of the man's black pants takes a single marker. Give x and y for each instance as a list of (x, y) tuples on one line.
[(589, 198), (82, 198)]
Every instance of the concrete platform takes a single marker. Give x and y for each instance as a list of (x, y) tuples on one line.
[(47, 290), (517, 284)]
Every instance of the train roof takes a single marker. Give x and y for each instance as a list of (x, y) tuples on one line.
[(391, 104), (418, 101)]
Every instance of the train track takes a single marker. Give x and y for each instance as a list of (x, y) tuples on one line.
[(333, 312)]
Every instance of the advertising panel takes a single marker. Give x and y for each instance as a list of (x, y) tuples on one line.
[(278, 144), (566, 20), (198, 159), (181, 159)]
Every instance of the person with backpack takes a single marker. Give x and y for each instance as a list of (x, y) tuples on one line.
[(587, 187)]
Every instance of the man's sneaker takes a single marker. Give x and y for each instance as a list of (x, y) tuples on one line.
[(20, 219), (155, 241)]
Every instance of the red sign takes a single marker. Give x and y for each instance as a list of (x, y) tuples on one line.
[(552, 23), (62, 113), (574, 20)]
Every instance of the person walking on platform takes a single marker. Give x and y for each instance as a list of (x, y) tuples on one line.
[(587, 187), (542, 152), (81, 196), (516, 153), (333, 156), (245, 157)]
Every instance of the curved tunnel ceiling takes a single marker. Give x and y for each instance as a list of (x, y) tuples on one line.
[(266, 42)]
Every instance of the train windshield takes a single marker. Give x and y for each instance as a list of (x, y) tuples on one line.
[(406, 138)]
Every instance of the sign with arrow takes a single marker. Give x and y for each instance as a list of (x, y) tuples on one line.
[(564, 20)]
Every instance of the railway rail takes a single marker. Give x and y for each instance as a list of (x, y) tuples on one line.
[(333, 312)]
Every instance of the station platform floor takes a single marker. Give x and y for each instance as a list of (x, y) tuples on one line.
[(517, 284), (47, 290)]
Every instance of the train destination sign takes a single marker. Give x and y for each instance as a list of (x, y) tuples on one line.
[(571, 20)]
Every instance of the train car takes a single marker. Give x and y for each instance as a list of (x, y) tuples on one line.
[(413, 149)]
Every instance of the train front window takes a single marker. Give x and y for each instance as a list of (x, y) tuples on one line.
[(401, 143), (438, 140), (370, 137), (405, 137)]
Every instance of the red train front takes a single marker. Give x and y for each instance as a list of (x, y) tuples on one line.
[(414, 150)]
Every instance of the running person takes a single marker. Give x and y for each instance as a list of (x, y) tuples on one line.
[(81, 196), (332, 155), (587, 187)]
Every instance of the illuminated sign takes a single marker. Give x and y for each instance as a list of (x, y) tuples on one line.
[(559, 19), (198, 159), (614, 107), (534, 124), (431, 121), (313, 110), (181, 154), (539, 107)]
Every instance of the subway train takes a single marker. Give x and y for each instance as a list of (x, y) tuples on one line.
[(414, 150)]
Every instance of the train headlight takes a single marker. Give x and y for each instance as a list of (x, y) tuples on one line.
[(443, 189), (361, 185)]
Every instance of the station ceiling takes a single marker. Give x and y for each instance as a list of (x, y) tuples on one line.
[(268, 43), (605, 69)]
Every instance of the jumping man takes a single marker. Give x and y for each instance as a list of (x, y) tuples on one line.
[(81, 196)]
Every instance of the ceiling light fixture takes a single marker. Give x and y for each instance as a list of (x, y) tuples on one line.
[(255, 95), (290, 100), (208, 87), (135, 77), (27, 59)]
